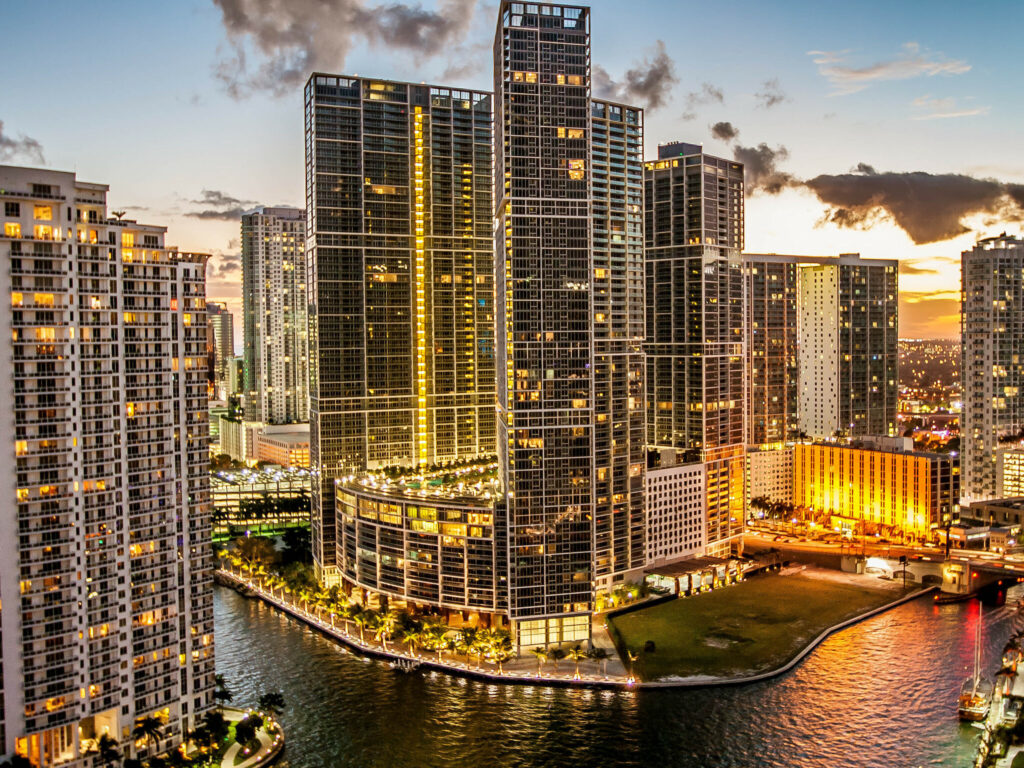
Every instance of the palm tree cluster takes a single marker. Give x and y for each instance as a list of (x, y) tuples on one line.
[(576, 653), (258, 563)]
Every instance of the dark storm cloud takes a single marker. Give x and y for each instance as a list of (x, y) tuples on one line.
[(928, 207), (724, 131), (216, 198), (23, 147), (647, 84), (226, 214), (291, 38), (761, 170), (224, 266), (771, 94), (219, 206)]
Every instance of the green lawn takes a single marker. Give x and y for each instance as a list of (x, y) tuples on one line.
[(751, 627)]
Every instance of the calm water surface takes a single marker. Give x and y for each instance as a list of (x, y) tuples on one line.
[(882, 693)]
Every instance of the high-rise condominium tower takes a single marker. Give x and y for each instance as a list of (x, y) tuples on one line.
[(220, 346), (822, 347), (398, 194), (695, 326), (848, 347), (992, 313), (105, 555), (771, 351), (568, 197), (274, 306)]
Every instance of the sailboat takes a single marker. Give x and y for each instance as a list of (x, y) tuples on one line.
[(975, 693)]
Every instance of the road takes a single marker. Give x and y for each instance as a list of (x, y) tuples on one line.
[(757, 540)]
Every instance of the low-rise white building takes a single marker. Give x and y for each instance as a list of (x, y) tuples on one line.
[(676, 524), (770, 475)]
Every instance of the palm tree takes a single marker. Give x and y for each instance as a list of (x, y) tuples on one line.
[(467, 638), (216, 724), (577, 654), (347, 612), (501, 648), (304, 595), (365, 619), (149, 729), (272, 702), (542, 657), (601, 656), (108, 749), (386, 626), (556, 655), (221, 692), (435, 635), (411, 637), (632, 656)]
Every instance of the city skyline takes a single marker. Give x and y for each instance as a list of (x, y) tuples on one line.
[(894, 105)]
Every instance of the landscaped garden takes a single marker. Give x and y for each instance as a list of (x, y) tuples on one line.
[(751, 627)]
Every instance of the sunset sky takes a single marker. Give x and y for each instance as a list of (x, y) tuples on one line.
[(889, 129)]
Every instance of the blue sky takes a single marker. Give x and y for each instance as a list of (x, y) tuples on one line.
[(125, 93)]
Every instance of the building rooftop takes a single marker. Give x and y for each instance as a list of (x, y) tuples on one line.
[(476, 483), (253, 476)]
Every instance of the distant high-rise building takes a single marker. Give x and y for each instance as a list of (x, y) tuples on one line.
[(697, 199), (772, 391), (105, 552), (401, 243), (569, 300), (274, 305), (992, 313), (695, 340), (821, 347), (220, 345)]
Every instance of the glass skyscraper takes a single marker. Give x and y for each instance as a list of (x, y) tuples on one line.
[(567, 201), (401, 298)]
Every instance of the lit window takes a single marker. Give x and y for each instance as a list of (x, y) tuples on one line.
[(577, 169), (12, 229), (42, 212)]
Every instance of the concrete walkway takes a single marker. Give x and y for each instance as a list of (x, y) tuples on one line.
[(270, 742)]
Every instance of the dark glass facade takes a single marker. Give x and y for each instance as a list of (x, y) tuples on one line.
[(400, 260), (695, 340)]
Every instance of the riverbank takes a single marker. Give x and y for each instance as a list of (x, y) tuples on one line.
[(520, 671), (749, 628)]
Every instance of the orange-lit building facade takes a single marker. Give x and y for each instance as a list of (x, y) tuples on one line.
[(888, 491)]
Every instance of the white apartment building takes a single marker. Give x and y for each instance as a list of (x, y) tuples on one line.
[(676, 518), (105, 554), (770, 475), (274, 315), (993, 371)]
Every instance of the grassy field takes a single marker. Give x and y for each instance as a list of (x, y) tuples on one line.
[(752, 627)]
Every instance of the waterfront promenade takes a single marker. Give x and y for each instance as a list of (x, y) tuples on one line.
[(524, 671)]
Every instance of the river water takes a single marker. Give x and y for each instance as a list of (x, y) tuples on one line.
[(881, 693)]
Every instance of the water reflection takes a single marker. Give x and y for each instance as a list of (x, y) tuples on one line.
[(881, 693)]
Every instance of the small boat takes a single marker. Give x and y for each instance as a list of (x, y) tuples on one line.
[(975, 693), (943, 598)]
